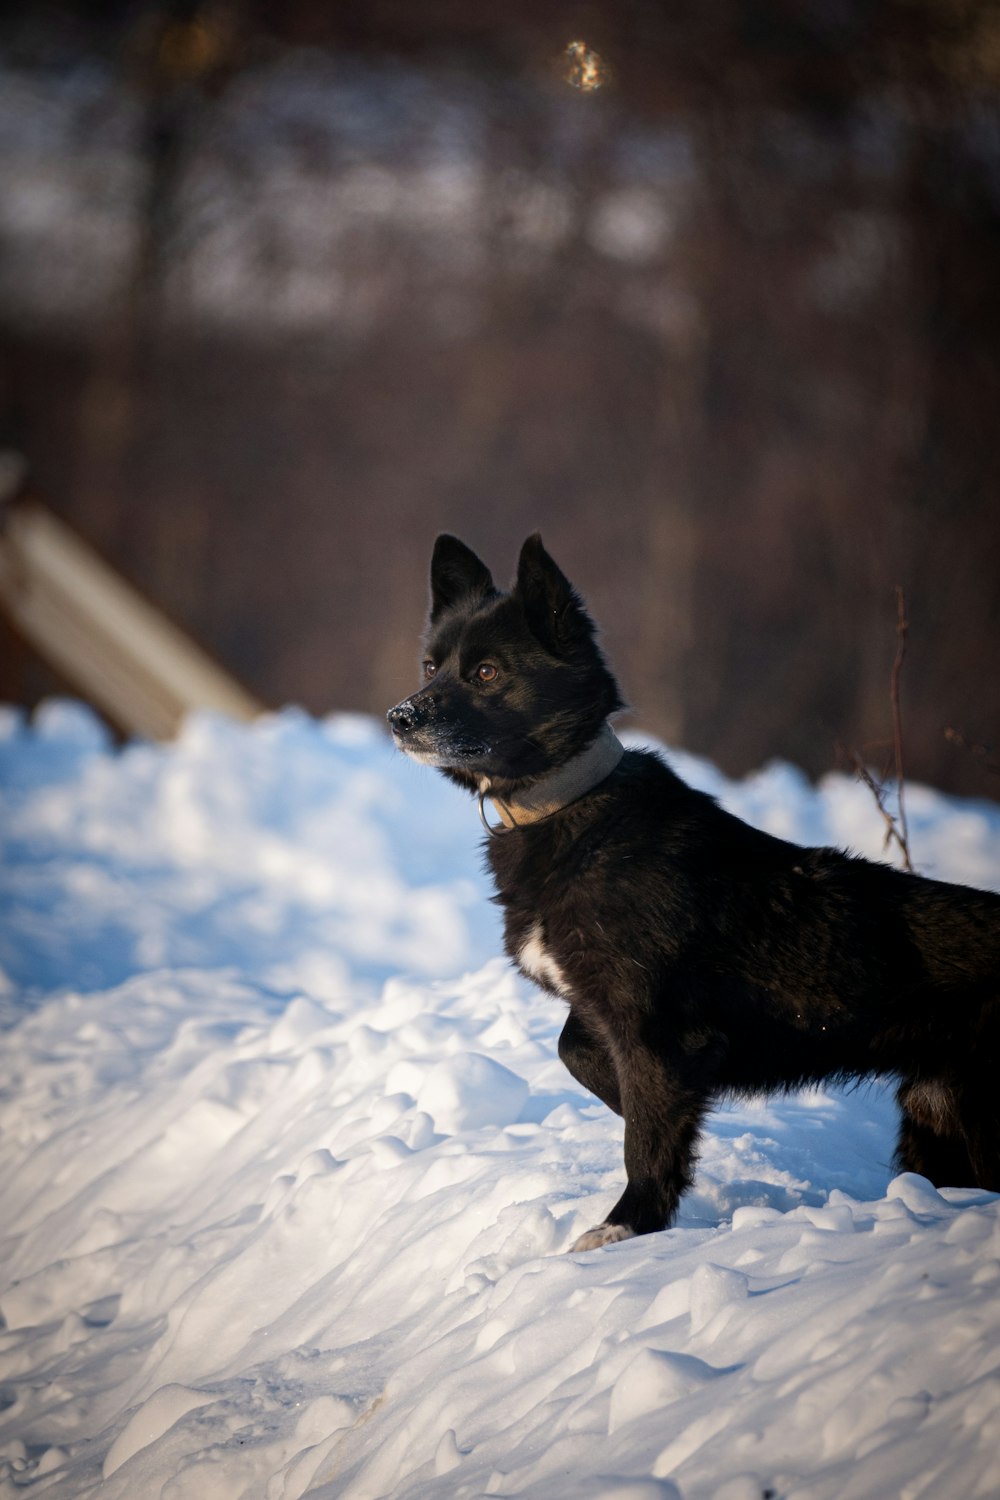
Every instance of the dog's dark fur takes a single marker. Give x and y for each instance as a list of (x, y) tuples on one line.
[(698, 955)]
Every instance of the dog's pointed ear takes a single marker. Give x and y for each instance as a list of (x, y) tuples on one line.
[(552, 607), (456, 572)]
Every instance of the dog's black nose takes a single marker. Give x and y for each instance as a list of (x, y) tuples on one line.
[(409, 714)]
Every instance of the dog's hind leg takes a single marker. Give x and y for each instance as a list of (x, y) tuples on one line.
[(590, 1062), (979, 1117), (932, 1140), (979, 1101)]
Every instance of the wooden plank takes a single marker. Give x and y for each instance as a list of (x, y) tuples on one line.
[(110, 643)]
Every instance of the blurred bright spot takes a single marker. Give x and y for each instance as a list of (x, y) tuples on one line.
[(189, 48), (585, 69)]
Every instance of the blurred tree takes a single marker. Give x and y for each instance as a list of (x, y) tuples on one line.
[(705, 290)]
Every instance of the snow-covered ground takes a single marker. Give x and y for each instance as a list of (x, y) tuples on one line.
[(288, 1169)]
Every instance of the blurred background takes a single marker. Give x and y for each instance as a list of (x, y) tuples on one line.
[(708, 291)]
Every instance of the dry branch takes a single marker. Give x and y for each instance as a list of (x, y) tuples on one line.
[(896, 830)]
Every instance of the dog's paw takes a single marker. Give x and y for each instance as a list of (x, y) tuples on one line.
[(603, 1234)]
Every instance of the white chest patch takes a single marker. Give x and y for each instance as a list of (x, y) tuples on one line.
[(534, 960)]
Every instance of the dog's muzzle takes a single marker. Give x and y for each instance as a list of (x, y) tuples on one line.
[(413, 713)]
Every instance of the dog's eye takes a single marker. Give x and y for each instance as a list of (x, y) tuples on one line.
[(487, 672), (429, 669)]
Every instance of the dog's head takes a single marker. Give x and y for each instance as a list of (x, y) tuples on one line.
[(514, 684)]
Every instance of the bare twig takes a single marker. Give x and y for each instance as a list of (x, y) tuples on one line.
[(896, 830), (902, 626), (893, 831)]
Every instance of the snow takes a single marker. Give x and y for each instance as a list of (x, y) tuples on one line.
[(289, 1168)]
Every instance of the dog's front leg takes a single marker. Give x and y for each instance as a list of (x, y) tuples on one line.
[(590, 1061), (663, 1111)]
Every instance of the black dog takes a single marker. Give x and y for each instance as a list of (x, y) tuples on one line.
[(698, 956)]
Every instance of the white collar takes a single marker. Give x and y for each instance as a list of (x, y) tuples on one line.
[(559, 788)]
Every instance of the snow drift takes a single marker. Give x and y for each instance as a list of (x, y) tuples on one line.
[(288, 1166)]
